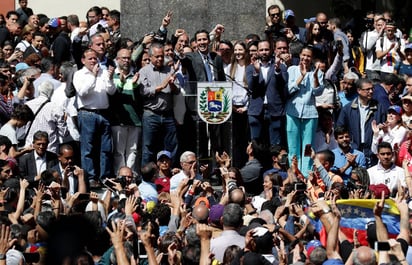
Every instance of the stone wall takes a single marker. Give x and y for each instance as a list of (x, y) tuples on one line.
[(239, 17)]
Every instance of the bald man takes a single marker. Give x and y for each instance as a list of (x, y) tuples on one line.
[(200, 213)]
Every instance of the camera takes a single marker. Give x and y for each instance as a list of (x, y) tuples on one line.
[(31, 79), (283, 31), (155, 36), (284, 160), (122, 181), (337, 45), (369, 23)]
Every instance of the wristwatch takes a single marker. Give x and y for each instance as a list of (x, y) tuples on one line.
[(2, 256), (325, 211)]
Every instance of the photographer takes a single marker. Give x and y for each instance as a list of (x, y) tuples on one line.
[(369, 41), (125, 178), (340, 39)]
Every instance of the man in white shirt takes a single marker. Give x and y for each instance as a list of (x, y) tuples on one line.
[(369, 43), (93, 85), (390, 49), (188, 164), (386, 172)]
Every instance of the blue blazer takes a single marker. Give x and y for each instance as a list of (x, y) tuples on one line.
[(350, 118), (276, 90)]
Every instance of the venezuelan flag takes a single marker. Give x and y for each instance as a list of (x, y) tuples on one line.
[(356, 213)]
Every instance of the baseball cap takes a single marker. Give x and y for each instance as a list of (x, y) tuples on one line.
[(395, 108), (21, 66), (407, 97), (377, 190), (164, 153), (312, 245), (309, 20), (289, 13), (54, 22)]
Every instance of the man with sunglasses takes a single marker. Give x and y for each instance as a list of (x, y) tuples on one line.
[(326, 34), (164, 163), (274, 26), (188, 164)]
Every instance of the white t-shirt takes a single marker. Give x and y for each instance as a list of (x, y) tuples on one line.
[(389, 61)]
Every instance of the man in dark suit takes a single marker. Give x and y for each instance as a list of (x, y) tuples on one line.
[(204, 66), (267, 80), (72, 177), (32, 164), (36, 44)]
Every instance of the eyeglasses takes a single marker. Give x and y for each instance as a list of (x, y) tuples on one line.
[(367, 89), (128, 177), (408, 84), (275, 15), (190, 162)]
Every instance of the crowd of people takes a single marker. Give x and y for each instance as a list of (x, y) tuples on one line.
[(104, 159)]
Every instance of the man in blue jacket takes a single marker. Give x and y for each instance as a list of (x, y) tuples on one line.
[(267, 81), (358, 116)]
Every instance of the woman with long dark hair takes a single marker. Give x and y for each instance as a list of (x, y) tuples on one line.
[(301, 114)]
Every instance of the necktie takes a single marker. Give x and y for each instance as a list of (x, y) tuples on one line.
[(208, 69)]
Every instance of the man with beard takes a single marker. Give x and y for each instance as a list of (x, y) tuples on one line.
[(346, 158), (347, 88), (125, 121), (267, 79)]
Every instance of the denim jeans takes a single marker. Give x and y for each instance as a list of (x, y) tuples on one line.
[(159, 133), (266, 126), (95, 145)]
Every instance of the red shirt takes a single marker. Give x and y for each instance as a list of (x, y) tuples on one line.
[(162, 184)]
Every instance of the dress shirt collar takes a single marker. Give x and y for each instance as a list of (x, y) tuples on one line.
[(204, 56), (36, 156)]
